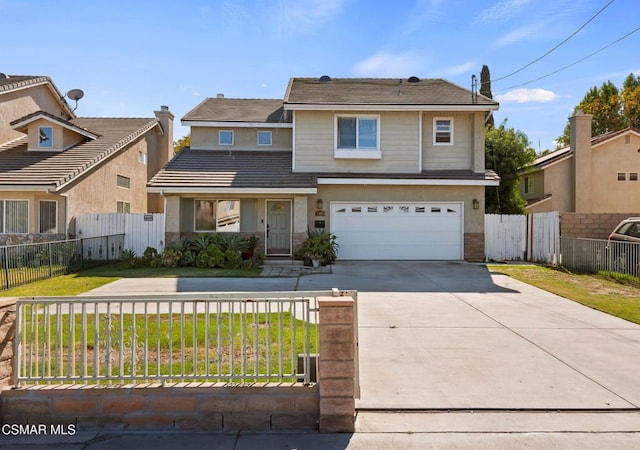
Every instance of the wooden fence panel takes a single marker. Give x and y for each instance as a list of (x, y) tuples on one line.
[(505, 237), (543, 244)]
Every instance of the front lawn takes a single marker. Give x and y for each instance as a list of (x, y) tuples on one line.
[(594, 291)]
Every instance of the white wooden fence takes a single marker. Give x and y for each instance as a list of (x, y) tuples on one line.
[(534, 237), (140, 230)]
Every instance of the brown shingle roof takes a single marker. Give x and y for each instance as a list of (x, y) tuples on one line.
[(20, 167), (238, 110), (26, 119), (380, 91), (224, 169)]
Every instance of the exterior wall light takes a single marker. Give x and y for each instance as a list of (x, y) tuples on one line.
[(319, 203), (476, 203)]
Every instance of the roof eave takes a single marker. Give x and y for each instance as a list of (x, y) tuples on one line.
[(385, 107)]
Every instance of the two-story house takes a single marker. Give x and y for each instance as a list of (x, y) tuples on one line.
[(393, 167), (55, 166), (597, 175)]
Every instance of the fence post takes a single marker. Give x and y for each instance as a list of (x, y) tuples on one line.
[(81, 253), (107, 248), (50, 260), (6, 267)]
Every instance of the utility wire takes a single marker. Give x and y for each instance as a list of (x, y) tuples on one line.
[(573, 63), (556, 47)]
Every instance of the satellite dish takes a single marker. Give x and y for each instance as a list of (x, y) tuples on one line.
[(75, 94)]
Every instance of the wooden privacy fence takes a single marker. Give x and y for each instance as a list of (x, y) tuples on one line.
[(140, 230), (533, 237)]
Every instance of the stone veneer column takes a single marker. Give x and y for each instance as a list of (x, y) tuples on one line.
[(337, 364)]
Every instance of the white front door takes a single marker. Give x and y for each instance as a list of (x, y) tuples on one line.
[(398, 231), (278, 227)]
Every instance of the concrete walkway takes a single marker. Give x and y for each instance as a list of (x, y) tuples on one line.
[(451, 356)]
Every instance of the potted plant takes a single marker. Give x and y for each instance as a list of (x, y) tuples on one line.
[(252, 244), (315, 249)]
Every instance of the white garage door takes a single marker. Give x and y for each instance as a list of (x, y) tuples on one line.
[(398, 230)]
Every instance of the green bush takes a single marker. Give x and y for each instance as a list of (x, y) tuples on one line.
[(149, 256), (210, 258), (320, 245), (171, 258), (128, 257), (232, 259)]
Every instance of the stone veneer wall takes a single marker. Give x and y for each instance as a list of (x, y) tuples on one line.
[(18, 239), (7, 334), (591, 226), (474, 247)]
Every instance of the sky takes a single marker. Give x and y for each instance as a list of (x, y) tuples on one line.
[(130, 57)]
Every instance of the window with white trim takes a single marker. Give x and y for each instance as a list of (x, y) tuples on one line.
[(442, 131), (357, 132), (14, 216), (528, 185), (222, 216), (264, 138), (123, 207), (225, 137), (123, 182), (48, 216), (45, 137), (142, 158)]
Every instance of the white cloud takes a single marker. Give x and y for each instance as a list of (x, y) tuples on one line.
[(305, 16), (460, 69), (527, 96), (385, 64), (263, 85), (502, 10), (519, 34)]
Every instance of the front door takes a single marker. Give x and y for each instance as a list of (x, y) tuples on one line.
[(279, 227)]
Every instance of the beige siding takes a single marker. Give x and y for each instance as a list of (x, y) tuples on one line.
[(205, 138), (315, 142), (465, 152), (17, 104)]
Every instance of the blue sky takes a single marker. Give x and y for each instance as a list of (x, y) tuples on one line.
[(130, 57)]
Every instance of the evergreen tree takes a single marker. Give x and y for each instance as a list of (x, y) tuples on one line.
[(485, 89)]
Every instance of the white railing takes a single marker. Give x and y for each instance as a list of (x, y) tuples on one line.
[(597, 255), (232, 337)]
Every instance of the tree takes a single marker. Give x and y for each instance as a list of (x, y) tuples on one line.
[(612, 109), (184, 141), (485, 89), (507, 151)]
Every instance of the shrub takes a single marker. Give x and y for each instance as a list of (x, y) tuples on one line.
[(320, 245), (234, 243), (232, 259), (149, 255), (128, 257), (211, 257), (171, 258)]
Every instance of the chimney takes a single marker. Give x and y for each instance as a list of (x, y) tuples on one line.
[(580, 145)]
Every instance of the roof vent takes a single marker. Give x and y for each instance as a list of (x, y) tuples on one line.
[(413, 79), (3, 76), (324, 78), (219, 95)]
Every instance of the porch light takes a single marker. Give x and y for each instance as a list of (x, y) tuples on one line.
[(476, 203), (319, 203)]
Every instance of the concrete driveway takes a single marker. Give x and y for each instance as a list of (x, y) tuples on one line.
[(453, 336)]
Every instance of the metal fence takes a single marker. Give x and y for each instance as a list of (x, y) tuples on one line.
[(22, 264), (596, 255), (232, 337)]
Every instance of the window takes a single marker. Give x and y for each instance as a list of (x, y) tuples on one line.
[(633, 176), (48, 216), (264, 137), (45, 137), (225, 137), (14, 216), (142, 158), (357, 132), (222, 216), (123, 207), (528, 185), (123, 182), (442, 131), (622, 176)]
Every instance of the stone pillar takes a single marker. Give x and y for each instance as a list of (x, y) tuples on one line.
[(7, 336), (337, 364)]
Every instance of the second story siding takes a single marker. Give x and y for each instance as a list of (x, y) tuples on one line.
[(208, 138)]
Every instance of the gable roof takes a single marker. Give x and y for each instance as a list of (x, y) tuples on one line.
[(21, 123), (21, 169), (248, 171), (382, 91), (565, 152), (238, 110), (11, 83)]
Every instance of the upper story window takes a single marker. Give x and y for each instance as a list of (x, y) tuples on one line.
[(225, 137), (360, 133), (528, 185), (442, 131), (45, 137), (123, 182), (264, 138), (142, 158)]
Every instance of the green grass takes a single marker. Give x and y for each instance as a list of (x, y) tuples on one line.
[(177, 345), (595, 291), (77, 283)]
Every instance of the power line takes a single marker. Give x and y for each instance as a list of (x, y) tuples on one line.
[(573, 63), (556, 47)]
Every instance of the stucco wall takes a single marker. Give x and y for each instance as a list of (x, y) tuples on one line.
[(206, 138), (558, 181), (17, 104), (34, 208)]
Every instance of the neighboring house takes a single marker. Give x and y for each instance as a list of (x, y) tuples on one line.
[(55, 166), (393, 167), (593, 175)]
